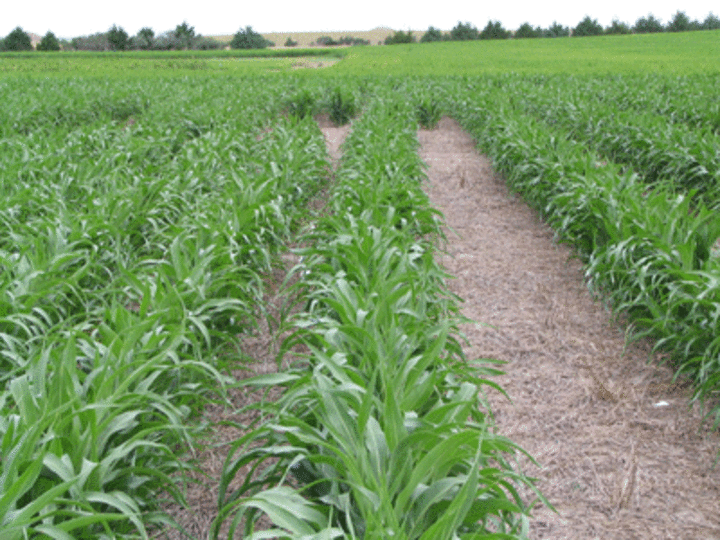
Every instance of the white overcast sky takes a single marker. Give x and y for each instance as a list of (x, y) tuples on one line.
[(71, 18)]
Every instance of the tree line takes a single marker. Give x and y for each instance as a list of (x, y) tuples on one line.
[(183, 37), (586, 27)]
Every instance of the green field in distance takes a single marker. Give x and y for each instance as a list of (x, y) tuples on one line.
[(683, 53), (680, 54)]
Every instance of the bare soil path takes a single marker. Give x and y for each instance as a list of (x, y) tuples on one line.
[(622, 456)]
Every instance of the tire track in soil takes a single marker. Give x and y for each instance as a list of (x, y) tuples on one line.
[(262, 347), (615, 465)]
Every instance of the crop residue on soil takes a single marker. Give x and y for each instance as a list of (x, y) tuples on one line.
[(622, 456), (262, 348)]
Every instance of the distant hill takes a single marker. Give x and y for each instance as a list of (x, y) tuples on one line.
[(308, 39), (34, 39), (375, 36)]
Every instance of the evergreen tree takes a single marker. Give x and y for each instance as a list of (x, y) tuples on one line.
[(464, 32), (618, 28), (249, 39), (144, 39), (494, 30), (49, 43), (680, 23), (118, 38), (556, 30), (17, 40), (648, 25), (588, 27), (527, 31), (184, 35), (711, 22), (400, 37), (432, 34)]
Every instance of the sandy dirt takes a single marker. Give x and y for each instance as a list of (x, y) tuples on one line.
[(334, 136), (622, 456), (315, 64)]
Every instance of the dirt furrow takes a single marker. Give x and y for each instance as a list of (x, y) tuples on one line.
[(622, 455), (260, 349)]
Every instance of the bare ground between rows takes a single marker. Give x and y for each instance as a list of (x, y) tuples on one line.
[(613, 463), (260, 350)]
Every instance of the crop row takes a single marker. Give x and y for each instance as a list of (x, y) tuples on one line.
[(649, 254), (691, 100), (138, 218), (44, 107), (380, 430), (131, 257), (685, 157)]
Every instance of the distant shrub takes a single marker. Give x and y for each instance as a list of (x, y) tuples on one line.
[(207, 44), (682, 23), (527, 31), (118, 38), (290, 43), (94, 42), (494, 30), (249, 39), (464, 32), (556, 30), (17, 40), (618, 28), (166, 42), (400, 37), (648, 25), (326, 41), (49, 43), (432, 34), (353, 41), (144, 40), (711, 22), (588, 27), (184, 36)]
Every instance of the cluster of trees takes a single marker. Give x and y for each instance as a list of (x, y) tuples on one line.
[(117, 39), (467, 32), (400, 37), (587, 27), (19, 40), (184, 37), (646, 25)]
